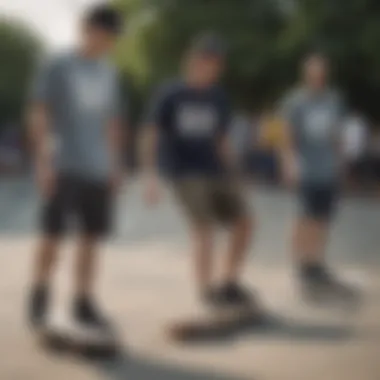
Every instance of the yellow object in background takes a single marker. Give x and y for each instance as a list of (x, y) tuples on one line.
[(272, 132)]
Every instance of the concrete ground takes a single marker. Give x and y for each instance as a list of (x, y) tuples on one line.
[(146, 284)]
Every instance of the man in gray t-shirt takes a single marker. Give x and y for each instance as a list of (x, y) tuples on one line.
[(314, 116), (315, 120), (81, 94), (75, 103)]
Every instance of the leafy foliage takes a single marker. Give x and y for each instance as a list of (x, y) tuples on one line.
[(267, 38), (19, 50)]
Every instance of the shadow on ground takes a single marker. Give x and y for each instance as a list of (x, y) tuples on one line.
[(284, 328), (125, 368), (272, 327)]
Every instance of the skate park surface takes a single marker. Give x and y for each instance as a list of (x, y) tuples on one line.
[(145, 284)]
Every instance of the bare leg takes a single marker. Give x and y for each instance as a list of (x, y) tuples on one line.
[(85, 309), (45, 260), (85, 266), (310, 249), (309, 243), (203, 256), (238, 248)]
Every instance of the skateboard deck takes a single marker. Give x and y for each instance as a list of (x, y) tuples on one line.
[(214, 323), (70, 338)]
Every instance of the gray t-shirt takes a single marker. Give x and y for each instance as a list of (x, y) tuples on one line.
[(315, 120), (82, 97), (241, 136)]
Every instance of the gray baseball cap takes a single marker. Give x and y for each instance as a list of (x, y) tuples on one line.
[(209, 44)]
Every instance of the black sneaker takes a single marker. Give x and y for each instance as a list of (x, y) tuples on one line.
[(86, 313), (211, 297), (38, 305), (229, 295), (236, 295), (323, 286)]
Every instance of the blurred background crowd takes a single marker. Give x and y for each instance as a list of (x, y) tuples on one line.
[(266, 40)]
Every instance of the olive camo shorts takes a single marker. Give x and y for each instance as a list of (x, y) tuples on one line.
[(211, 200)]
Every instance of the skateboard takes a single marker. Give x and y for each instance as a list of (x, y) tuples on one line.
[(78, 340), (215, 323)]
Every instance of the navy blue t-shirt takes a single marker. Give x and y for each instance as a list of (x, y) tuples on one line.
[(191, 121)]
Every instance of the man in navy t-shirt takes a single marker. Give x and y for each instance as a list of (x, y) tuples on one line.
[(189, 119)]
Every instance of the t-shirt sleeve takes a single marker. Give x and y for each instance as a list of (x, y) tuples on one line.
[(159, 107), (341, 117), (44, 82), (341, 108), (119, 100)]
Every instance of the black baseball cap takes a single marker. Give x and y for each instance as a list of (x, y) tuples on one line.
[(209, 45), (106, 17)]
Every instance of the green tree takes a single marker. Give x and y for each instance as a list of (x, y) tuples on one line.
[(348, 31), (160, 31), (19, 50), (267, 39)]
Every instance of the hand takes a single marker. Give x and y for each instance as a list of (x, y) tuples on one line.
[(152, 191), (46, 179), (290, 175), (117, 180)]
